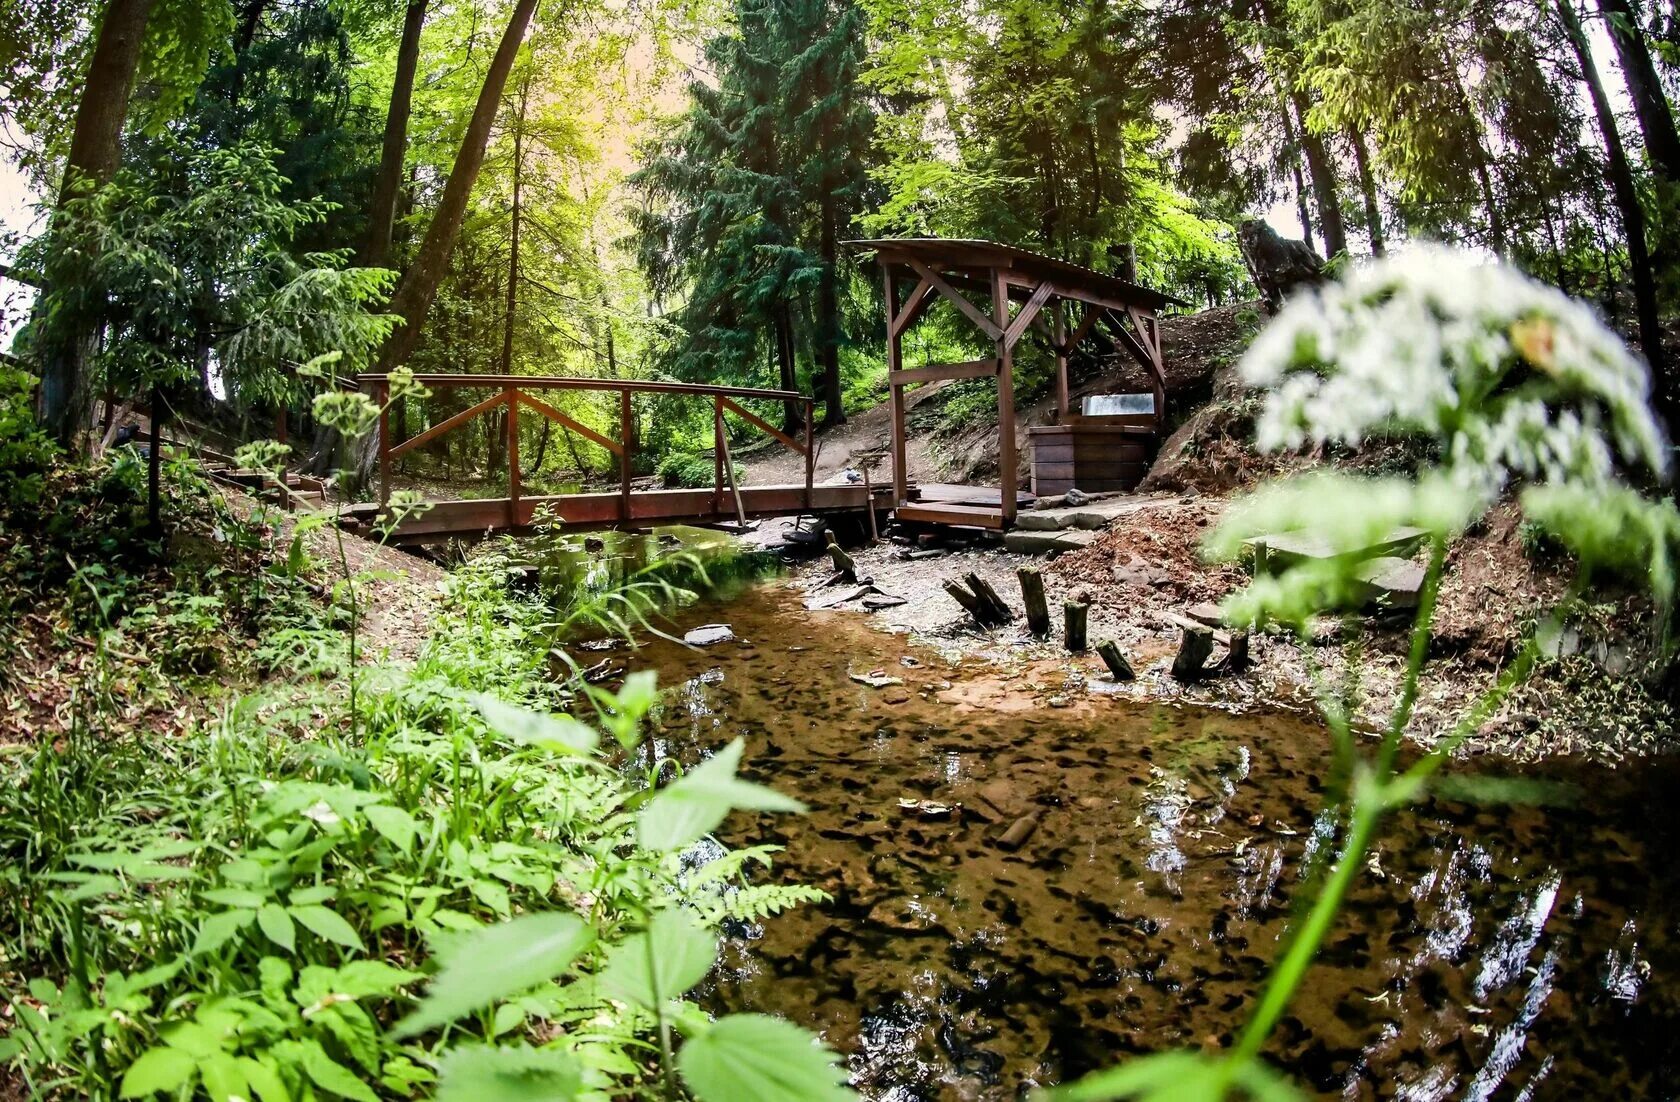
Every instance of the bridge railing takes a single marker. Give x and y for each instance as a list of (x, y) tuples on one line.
[(512, 395)]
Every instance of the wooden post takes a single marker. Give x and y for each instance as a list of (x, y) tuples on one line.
[(1058, 339), (1074, 614), (626, 429), (1032, 596), (1193, 652), (513, 456), (729, 466), (1118, 667), (868, 504), (895, 361), (717, 454), (996, 608), (810, 450), (280, 424), (844, 565), (1006, 398), (384, 445)]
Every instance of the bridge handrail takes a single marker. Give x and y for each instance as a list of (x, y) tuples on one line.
[(569, 382), (624, 447)]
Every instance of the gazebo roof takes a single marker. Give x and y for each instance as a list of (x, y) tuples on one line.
[(946, 254)]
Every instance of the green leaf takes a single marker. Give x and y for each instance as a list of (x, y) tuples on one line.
[(473, 1073), (332, 1076), (697, 803), (552, 732), (361, 978), (234, 897), (663, 962), (265, 1081), (757, 1058), (276, 925), (219, 928), (496, 962), (326, 922), (394, 824), (224, 1078), (195, 1040), (158, 1069)]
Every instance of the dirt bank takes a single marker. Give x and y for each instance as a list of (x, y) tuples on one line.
[(1592, 699)]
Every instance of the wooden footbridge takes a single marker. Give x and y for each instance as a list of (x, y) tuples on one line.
[(724, 502), (1015, 290)]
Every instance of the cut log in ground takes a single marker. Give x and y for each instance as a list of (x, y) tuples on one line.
[(1074, 617), (980, 600), (1032, 597), (1118, 667), (1193, 652)]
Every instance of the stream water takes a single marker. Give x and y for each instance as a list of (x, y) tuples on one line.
[(1508, 952)]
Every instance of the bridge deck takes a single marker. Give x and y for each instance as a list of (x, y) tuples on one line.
[(445, 519)]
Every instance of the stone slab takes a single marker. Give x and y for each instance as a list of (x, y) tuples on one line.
[(1047, 543)]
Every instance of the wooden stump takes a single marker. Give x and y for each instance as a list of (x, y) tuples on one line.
[(1074, 615), (1237, 658), (964, 598), (1193, 652), (1118, 667), (996, 608), (1032, 597)]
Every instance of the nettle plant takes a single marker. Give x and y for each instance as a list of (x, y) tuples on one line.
[(1518, 391)]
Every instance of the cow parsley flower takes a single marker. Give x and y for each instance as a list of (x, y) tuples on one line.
[(1514, 379)]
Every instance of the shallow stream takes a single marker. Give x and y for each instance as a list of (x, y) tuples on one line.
[(1490, 952)]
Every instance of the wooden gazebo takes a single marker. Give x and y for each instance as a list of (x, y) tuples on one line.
[(1012, 290)]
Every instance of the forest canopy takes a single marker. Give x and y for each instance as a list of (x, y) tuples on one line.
[(655, 189)]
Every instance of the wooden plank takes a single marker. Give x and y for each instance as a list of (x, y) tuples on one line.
[(960, 516), (1129, 453), (992, 329), (762, 425), (513, 456), (969, 369), (575, 425), (1028, 311), (895, 395), (384, 400), (914, 308), (1007, 472), (626, 430), (569, 382), (728, 466), (1081, 472), (453, 422)]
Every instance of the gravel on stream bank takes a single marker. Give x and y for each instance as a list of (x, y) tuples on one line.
[(1592, 700)]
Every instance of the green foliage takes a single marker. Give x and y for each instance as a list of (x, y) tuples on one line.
[(26, 453), (273, 907), (688, 469)]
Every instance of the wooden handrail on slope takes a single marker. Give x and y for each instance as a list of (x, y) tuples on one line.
[(510, 387)]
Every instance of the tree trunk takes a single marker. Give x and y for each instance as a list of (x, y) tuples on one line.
[(828, 310), (420, 283), (382, 215), (513, 241), (1368, 188), (1626, 195), (95, 152), (786, 365), (1294, 144), (1323, 172), (1644, 87)]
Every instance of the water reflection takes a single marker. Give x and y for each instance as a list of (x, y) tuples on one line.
[(1488, 953)]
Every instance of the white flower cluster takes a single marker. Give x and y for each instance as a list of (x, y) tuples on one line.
[(1515, 379)]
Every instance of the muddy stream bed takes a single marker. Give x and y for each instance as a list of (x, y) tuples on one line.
[(1490, 952)]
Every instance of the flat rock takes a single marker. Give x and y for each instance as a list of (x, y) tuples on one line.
[(1206, 613), (1029, 542), (1391, 581), (1090, 516), (1284, 549), (709, 635)]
